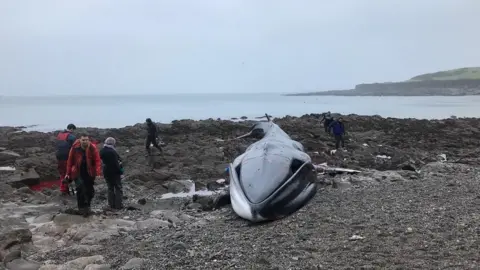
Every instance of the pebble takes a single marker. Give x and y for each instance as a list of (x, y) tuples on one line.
[(356, 237)]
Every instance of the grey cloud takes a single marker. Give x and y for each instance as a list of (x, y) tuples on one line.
[(111, 47)]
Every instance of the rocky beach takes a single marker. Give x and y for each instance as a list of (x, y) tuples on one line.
[(410, 201)]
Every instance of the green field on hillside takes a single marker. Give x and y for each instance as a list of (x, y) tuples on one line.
[(472, 73)]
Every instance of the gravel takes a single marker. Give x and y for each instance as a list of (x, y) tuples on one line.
[(428, 223)]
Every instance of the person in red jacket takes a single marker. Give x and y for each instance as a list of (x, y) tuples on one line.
[(83, 166), (65, 140)]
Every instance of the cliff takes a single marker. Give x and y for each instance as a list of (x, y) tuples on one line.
[(457, 82)]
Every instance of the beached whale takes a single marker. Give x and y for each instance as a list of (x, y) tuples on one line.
[(273, 178)]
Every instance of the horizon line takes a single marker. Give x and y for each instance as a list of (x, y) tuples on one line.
[(143, 94)]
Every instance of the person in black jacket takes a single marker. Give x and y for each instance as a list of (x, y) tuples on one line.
[(327, 120), (112, 172), (64, 142), (152, 134)]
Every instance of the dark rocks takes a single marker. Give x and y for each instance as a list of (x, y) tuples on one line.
[(7, 157), (393, 192), (23, 178), (198, 150), (11, 242), (12, 255)]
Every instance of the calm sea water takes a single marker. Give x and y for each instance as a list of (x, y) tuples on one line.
[(55, 112)]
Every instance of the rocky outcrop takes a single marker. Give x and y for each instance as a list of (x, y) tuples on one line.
[(198, 150)]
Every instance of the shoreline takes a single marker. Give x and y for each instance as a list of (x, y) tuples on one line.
[(39, 127)]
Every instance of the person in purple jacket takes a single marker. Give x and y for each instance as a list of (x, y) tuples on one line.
[(338, 130)]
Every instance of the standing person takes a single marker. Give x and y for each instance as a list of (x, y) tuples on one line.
[(338, 131), (65, 140), (327, 120), (83, 166), (112, 172), (152, 133)]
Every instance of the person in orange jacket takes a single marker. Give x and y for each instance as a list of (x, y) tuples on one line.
[(83, 166)]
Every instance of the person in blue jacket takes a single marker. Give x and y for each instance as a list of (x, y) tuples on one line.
[(338, 129)]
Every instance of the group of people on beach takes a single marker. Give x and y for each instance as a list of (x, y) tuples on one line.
[(335, 127), (79, 162)]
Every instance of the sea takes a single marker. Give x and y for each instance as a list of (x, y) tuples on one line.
[(47, 113)]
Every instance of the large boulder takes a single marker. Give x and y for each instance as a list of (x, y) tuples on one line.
[(23, 178)]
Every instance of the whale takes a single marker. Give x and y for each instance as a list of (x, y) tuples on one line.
[(273, 178)]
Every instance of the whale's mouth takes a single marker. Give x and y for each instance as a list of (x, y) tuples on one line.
[(296, 188), (282, 184)]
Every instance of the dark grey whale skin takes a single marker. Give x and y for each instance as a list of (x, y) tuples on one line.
[(273, 178)]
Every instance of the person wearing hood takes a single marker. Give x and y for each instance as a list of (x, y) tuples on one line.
[(83, 166), (112, 172), (64, 142), (327, 120), (152, 134), (338, 129)]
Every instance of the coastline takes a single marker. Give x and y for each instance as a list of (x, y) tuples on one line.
[(49, 115), (411, 88), (180, 135), (43, 129)]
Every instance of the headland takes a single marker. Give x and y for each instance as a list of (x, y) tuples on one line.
[(456, 82)]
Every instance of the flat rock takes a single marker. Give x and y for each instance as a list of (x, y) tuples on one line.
[(118, 223), (77, 264), (98, 267), (43, 218), (135, 263), (166, 214), (82, 262), (83, 248), (96, 237), (22, 264), (10, 237), (12, 255), (22, 178), (68, 220), (151, 224)]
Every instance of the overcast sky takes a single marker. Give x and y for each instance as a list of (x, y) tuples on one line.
[(228, 46)]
